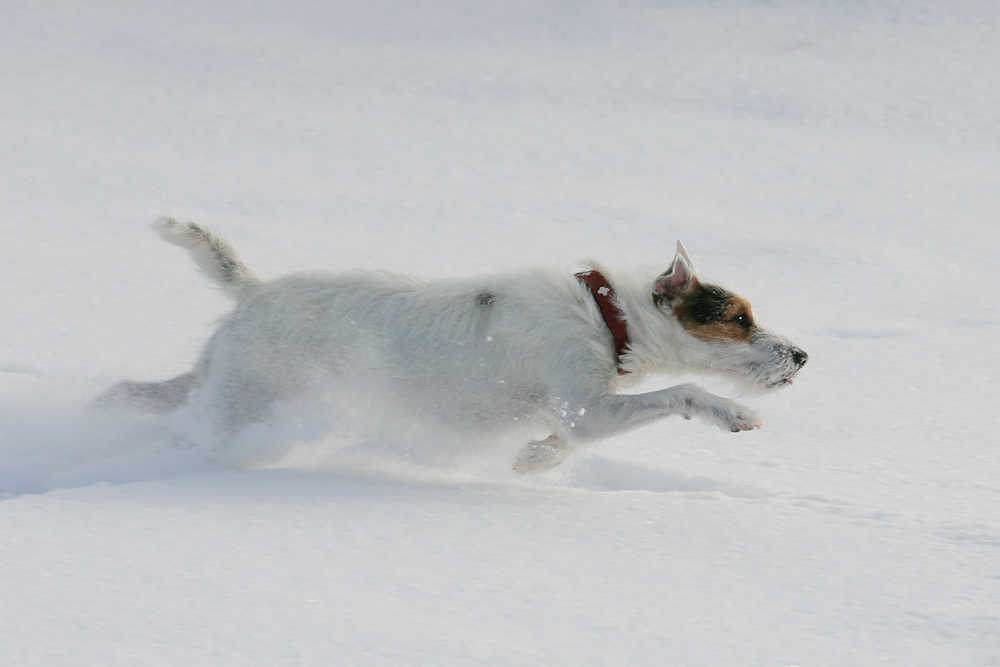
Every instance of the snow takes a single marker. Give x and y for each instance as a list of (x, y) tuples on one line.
[(839, 163)]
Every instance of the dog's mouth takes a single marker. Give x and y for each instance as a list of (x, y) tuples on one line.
[(772, 366)]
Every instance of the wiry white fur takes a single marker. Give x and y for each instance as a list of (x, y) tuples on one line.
[(212, 253), (486, 353)]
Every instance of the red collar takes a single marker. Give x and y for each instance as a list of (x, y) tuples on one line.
[(605, 296)]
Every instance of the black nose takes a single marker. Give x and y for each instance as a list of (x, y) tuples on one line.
[(799, 356)]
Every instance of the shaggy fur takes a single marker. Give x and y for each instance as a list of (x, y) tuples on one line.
[(482, 353)]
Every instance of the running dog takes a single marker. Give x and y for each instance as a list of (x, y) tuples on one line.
[(540, 348)]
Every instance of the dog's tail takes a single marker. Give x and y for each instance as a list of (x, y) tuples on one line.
[(215, 255)]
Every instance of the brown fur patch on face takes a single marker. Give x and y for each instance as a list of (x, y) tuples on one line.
[(710, 313)]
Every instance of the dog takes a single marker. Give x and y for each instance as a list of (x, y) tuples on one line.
[(541, 348)]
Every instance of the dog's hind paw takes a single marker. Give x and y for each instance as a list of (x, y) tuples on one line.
[(540, 456), (156, 397)]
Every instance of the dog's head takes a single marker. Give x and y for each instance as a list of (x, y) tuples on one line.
[(724, 325)]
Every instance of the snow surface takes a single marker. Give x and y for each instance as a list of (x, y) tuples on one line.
[(839, 162)]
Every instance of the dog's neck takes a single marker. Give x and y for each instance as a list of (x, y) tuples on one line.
[(604, 295)]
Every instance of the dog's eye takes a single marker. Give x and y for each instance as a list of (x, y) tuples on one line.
[(742, 321)]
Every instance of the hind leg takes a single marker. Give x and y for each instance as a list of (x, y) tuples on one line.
[(156, 397), (234, 403)]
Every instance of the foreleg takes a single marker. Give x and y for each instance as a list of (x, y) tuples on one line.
[(611, 414)]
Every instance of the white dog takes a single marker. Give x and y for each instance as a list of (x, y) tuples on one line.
[(539, 347)]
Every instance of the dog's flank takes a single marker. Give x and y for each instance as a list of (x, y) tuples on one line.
[(528, 349)]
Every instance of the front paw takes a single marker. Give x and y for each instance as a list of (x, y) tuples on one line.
[(731, 416), (540, 456), (724, 413)]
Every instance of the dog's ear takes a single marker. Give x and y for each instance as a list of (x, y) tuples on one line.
[(678, 281), (683, 252)]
